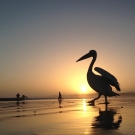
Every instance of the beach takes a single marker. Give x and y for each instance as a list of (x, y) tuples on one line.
[(72, 116)]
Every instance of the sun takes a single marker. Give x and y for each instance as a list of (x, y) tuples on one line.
[(83, 88)]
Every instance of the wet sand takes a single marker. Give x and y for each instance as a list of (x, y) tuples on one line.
[(73, 116)]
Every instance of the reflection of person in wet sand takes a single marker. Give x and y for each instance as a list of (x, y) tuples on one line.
[(60, 98), (106, 119)]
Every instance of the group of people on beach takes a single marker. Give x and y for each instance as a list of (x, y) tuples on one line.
[(18, 96)]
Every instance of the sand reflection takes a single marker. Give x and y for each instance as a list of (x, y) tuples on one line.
[(107, 119), (75, 117)]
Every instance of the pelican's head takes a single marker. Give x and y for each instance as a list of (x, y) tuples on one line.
[(91, 53)]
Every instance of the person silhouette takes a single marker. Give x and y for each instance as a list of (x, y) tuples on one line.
[(23, 96), (17, 95), (60, 98)]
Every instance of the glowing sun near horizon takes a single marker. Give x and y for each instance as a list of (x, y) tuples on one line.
[(83, 88)]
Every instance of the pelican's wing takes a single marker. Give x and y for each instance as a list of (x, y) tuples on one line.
[(109, 77)]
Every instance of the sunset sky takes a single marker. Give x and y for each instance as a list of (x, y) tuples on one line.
[(40, 41)]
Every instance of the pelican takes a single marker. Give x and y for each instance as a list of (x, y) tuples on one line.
[(100, 83)]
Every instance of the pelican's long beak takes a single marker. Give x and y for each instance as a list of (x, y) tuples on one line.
[(84, 57)]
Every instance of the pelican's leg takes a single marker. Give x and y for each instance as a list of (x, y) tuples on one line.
[(92, 101), (106, 100)]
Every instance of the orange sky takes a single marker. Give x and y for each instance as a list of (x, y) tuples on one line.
[(41, 41)]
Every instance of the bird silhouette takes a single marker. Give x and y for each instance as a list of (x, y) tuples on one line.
[(100, 83)]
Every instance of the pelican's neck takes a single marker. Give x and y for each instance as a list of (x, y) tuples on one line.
[(92, 63)]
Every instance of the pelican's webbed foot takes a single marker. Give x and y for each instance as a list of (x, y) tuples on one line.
[(92, 103), (107, 103)]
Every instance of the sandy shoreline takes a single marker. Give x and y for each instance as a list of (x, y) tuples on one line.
[(73, 117)]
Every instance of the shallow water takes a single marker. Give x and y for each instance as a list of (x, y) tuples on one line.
[(73, 116)]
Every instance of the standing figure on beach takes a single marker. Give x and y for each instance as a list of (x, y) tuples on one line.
[(23, 96), (17, 95), (60, 98)]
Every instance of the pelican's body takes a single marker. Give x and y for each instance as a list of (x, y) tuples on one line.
[(101, 84)]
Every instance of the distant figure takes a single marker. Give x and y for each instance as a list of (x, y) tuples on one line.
[(23, 96), (100, 83), (60, 98), (17, 95)]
